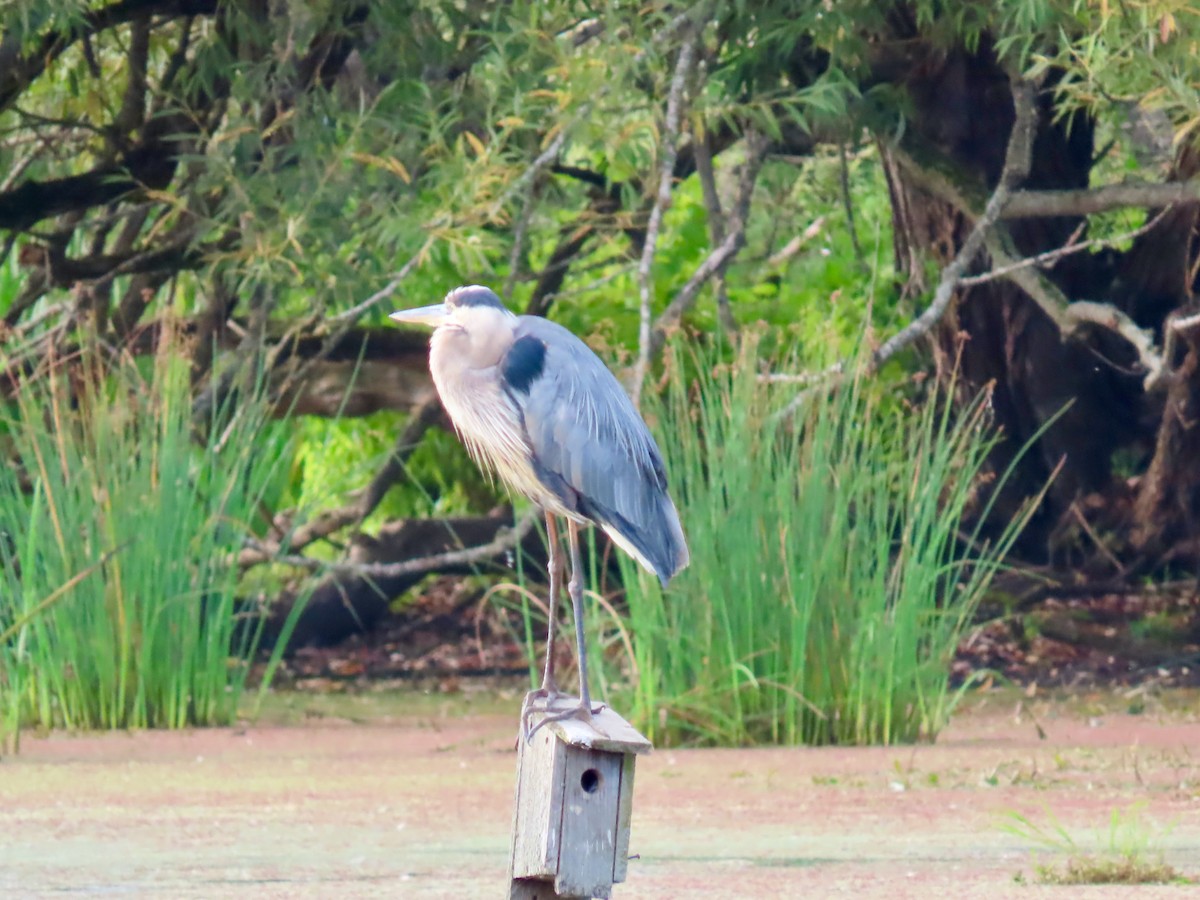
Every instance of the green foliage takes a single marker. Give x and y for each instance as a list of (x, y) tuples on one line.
[(1125, 853), (300, 190), (118, 544), (317, 193), (800, 272), (828, 587), (336, 457)]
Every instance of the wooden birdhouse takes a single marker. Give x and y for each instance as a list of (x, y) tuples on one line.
[(573, 807)]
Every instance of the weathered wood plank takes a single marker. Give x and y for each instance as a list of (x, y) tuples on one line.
[(536, 832), (624, 818), (592, 785), (606, 731)]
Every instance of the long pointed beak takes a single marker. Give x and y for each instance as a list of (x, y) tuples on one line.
[(422, 315)]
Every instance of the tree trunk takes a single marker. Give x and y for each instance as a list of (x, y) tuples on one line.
[(1167, 509), (1090, 383)]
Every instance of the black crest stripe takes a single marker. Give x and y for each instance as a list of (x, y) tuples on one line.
[(474, 295)]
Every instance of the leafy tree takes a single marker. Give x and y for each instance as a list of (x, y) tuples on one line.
[(278, 174)]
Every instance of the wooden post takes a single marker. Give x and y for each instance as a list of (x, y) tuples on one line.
[(573, 807)]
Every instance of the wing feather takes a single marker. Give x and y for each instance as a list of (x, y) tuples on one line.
[(592, 448)]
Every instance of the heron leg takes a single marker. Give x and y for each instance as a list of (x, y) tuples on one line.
[(583, 709), (575, 589), (549, 688)]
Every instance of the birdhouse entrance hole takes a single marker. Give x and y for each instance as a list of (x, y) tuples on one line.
[(590, 781)]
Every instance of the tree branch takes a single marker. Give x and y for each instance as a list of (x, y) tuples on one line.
[(132, 113), (1108, 316), (334, 520), (716, 223), (662, 200), (571, 241), (149, 165), (1016, 168), (174, 252), (1084, 202), (504, 541), (516, 254), (1050, 257), (587, 176), (735, 239), (18, 71), (355, 312), (421, 419), (541, 161)]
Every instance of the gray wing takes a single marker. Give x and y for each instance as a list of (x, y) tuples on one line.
[(590, 446)]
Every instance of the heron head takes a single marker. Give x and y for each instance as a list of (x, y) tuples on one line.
[(469, 307), (471, 326)]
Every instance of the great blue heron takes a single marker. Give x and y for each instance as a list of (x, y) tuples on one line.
[(534, 405)]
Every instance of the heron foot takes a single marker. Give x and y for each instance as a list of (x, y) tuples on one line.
[(579, 710), (539, 699)]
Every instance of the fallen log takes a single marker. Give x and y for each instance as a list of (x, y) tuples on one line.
[(346, 604)]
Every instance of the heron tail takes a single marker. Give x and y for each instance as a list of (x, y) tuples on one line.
[(659, 545)]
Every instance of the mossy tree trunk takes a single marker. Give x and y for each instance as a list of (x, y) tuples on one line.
[(1089, 385)]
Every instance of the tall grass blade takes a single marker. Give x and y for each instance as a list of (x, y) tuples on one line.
[(829, 584), (118, 542)]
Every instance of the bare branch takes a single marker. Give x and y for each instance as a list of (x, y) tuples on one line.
[(354, 312), (37, 284), (716, 223), (1084, 202), (583, 31), (1016, 168), (848, 204), (419, 421), (545, 299), (708, 187), (691, 17), (796, 244), (528, 185), (1108, 316), (662, 200), (1052, 256), (354, 513), (17, 169), (573, 237), (1037, 287), (1185, 323), (132, 114), (327, 523), (756, 151), (543, 159), (505, 540), (516, 256)]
